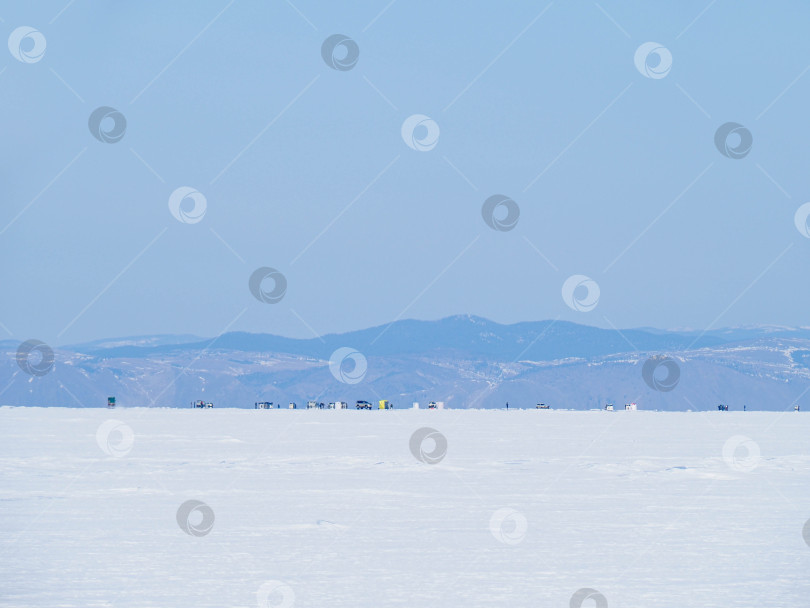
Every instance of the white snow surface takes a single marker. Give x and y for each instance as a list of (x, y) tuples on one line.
[(331, 508)]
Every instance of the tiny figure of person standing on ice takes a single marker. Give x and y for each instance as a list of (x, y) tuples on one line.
[(507, 405)]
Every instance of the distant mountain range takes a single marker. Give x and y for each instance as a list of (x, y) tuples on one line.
[(465, 361)]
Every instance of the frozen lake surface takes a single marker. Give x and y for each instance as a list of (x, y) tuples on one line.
[(335, 508)]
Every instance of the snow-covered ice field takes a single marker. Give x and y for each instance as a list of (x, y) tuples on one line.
[(332, 508)]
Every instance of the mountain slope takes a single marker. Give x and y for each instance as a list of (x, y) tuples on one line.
[(465, 361)]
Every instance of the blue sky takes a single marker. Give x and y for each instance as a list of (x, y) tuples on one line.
[(304, 169)]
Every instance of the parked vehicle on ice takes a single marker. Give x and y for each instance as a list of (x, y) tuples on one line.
[(363, 405)]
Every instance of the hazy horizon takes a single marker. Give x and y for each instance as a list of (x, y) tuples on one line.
[(526, 321)]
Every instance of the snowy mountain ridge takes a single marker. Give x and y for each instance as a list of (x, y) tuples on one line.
[(465, 361)]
